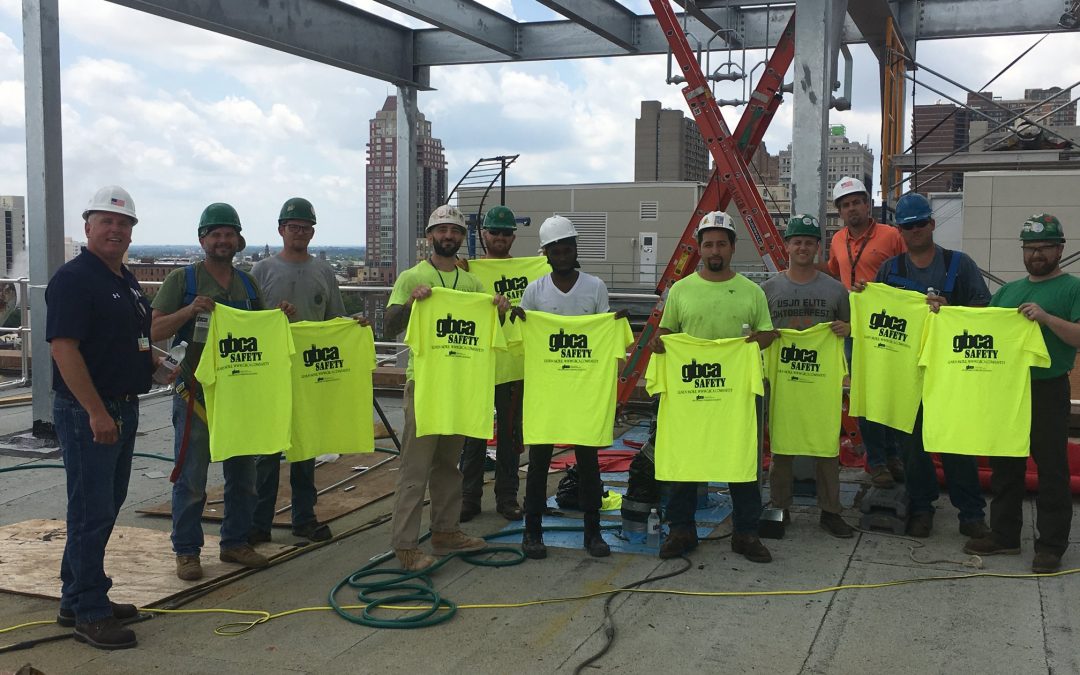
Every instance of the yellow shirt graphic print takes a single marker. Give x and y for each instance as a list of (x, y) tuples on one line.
[(706, 429), (246, 375), (571, 376), (806, 371), (509, 277), (332, 394), (886, 330), (453, 337), (977, 390)]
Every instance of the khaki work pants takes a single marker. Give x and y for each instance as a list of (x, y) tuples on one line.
[(426, 460), (827, 473)]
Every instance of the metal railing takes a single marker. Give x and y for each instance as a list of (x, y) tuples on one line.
[(22, 286)]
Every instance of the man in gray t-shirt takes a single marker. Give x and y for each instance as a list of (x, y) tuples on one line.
[(801, 297), (309, 284)]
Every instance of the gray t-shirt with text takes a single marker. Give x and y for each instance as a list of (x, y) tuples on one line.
[(801, 306)]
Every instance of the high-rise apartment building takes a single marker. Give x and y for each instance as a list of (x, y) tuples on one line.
[(668, 146), (939, 128), (845, 158), (13, 240), (1042, 104), (431, 188)]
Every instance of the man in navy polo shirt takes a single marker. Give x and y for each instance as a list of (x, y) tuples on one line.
[(98, 328)]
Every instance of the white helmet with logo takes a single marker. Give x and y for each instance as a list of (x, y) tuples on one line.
[(556, 228), (114, 199), (715, 220), (446, 214), (848, 186)]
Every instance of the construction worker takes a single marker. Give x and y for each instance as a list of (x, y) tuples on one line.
[(98, 329), (186, 293), (715, 302), (855, 254), (955, 280), (565, 291), (1052, 298), (800, 297), (498, 234), (308, 284), (430, 459)]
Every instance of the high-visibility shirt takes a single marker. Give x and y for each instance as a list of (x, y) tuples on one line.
[(886, 330), (571, 373), (453, 336), (509, 277), (715, 309), (246, 375), (806, 371), (858, 259), (977, 388), (706, 429), (332, 396)]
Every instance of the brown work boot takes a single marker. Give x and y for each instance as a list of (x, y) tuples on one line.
[(443, 543), (243, 555), (413, 559), (989, 546), (895, 465), (920, 525), (120, 612), (834, 524), (1045, 562), (750, 547), (188, 567), (677, 543), (976, 529), (107, 633), (469, 510), (881, 477), (510, 510)]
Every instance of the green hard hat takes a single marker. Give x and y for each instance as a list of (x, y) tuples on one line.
[(500, 218), (804, 225), (1042, 227), (216, 215), (297, 208)]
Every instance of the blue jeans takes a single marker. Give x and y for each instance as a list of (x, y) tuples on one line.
[(189, 491), (745, 504), (301, 482), (961, 477), (881, 442), (97, 484)]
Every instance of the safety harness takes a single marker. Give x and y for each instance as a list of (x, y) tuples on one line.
[(898, 275)]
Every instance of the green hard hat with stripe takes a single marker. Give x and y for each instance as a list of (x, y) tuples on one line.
[(297, 208), (803, 225), (500, 218), (1042, 227)]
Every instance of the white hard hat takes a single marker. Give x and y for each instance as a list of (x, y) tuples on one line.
[(848, 186), (555, 229), (111, 198), (446, 214), (715, 220)]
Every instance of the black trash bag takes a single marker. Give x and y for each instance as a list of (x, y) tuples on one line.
[(642, 486), (566, 496)]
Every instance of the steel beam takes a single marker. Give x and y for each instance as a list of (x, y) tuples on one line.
[(871, 17), (327, 31), (465, 18), (44, 183), (991, 160), (607, 18)]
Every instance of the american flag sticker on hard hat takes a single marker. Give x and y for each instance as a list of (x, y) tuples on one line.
[(117, 202)]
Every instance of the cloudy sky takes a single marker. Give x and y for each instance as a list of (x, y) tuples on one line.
[(183, 117)]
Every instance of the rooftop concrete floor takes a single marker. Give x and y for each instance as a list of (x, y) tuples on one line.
[(990, 625)]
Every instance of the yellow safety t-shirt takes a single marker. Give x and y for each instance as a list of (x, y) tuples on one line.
[(806, 371), (886, 330), (332, 396), (246, 375), (706, 429), (977, 388), (453, 337), (571, 376), (509, 277)]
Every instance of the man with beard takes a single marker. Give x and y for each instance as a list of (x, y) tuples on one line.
[(855, 255), (956, 280), (716, 302), (498, 234), (1051, 297), (186, 293), (430, 459)]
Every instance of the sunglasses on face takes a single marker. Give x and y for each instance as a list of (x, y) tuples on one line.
[(912, 226)]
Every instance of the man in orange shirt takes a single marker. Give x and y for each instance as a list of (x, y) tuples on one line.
[(856, 253)]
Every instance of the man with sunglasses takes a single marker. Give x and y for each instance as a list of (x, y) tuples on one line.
[(309, 284), (955, 279), (855, 255), (1051, 297)]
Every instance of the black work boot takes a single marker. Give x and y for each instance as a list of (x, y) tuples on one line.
[(532, 542), (594, 542)]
